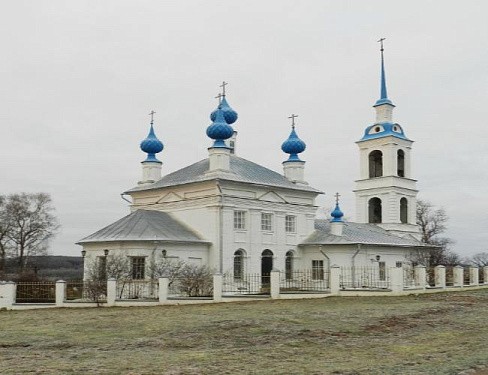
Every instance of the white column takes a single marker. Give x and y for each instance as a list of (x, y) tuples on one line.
[(111, 291), (396, 279), (419, 274), (163, 289), (275, 284), (60, 292), (474, 276), (440, 276), (458, 272), (7, 294), (217, 287), (335, 274)]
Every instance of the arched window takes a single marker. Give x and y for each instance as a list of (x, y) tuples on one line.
[(266, 265), (401, 163), (374, 209), (375, 164), (239, 264), (289, 265), (404, 210)]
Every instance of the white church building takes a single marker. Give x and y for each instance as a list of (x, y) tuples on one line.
[(236, 216)]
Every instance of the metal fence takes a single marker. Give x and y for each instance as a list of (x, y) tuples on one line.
[(430, 276), (248, 284), (190, 287), (408, 277), (35, 292), (128, 289), (313, 280), (364, 278), (86, 290), (449, 276), (466, 276), (481, 275)]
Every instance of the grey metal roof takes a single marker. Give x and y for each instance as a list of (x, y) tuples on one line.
[(356, 233), (242, 170), (144, 225)]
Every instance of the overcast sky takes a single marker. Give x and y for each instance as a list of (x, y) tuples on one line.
[(78, 79)]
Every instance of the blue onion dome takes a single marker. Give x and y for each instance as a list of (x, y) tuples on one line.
[(293, 146), (230, 115), (219, 130), (336, 214), (151, 145)]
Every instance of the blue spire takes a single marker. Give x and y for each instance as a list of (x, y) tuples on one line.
[(219, 130), (152, 145), (383, 92), (293, 145), (337, 213)]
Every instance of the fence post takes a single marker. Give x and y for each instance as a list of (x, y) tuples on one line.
[(419, 275), (485, 274), (163, 289), (111, 291), (7, 294), (274, 283), (396, 279), (335, 276), (440, 276), (217, 287), (474, 276), (458, 273), (60, 292)]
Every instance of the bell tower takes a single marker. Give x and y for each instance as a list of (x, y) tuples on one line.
[(386, 193)]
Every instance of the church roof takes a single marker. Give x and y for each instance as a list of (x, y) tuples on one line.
[(356, 233), (144, 225), (241, 170)]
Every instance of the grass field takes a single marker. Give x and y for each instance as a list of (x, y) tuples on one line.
[(427, 334)]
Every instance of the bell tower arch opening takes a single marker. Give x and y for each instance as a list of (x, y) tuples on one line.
[(374, 211), (375, 164)]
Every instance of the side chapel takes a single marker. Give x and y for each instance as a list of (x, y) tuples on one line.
[(236, 216)]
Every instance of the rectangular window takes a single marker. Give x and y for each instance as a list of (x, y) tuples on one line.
[(267, 222), (138, 267), (382, 271), (239, 219), (290, 224), (317, 269)]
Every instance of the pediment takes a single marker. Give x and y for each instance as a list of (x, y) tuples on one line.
[(170, 197), (271, 196)]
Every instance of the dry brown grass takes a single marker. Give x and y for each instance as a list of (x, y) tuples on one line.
[(429, 334)]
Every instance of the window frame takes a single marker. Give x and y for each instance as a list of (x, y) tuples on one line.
[(138, 267), (317, 269), (266, 221), (290, 225), (239, 220)]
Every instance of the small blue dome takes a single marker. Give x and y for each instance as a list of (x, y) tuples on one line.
[(336, 214), (151, 145), (293, 146), (230, 115), (219, 130)]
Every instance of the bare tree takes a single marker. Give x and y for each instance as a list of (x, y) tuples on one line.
[(196, 280), (480, 259), (433, 223), (166, 267), (5, 225), (31, 224)]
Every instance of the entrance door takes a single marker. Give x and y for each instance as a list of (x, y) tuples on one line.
[(266, 266)]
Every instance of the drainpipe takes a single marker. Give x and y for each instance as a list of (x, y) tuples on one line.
[(221, 229), (125, 199), (353, 261), (324, 254)]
